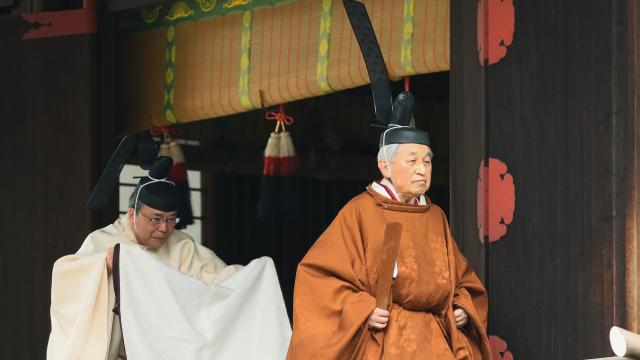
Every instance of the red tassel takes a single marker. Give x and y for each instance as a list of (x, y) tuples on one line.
[(288, 165), (271, 166), (178, 172)]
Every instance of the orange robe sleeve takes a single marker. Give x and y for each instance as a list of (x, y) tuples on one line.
[(332, 300), (470, 295)]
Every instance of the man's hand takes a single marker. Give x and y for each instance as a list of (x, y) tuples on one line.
[(110, 259), (461, 317), (378, 319)]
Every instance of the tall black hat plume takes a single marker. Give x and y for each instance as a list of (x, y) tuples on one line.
[(147, 152), (395, 117)]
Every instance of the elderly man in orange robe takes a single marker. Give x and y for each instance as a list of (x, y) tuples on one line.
[(438, 307)]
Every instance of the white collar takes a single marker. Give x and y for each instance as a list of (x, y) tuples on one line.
[(385, 185)]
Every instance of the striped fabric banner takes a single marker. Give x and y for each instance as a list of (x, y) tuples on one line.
[(284, 53), (323, 45), (291, 51), (209, 68), (406, 55), (245, 52), (170, 75)]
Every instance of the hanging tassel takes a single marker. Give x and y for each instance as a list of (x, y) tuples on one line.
[(164, 150), (178, 174), (272, 155), (278, 199), (279, 154), (288, 161)]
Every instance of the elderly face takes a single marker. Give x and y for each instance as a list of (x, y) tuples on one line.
[(410, 170), (152, 227)]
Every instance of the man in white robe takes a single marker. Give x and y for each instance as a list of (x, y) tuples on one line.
[(83, 325)]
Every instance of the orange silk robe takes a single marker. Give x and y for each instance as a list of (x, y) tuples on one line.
[(337, 280)]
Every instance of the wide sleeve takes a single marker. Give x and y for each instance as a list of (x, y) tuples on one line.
[(471, 295), (81, 303), (331, 295)]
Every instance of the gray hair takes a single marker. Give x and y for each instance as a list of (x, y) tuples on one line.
[(388, 152)]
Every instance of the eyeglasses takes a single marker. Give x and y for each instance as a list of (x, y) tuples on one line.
[(170, 221)]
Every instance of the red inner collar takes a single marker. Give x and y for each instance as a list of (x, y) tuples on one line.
[(392, 194)]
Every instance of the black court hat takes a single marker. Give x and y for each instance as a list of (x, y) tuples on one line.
[(154, 190), (404, 135)]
